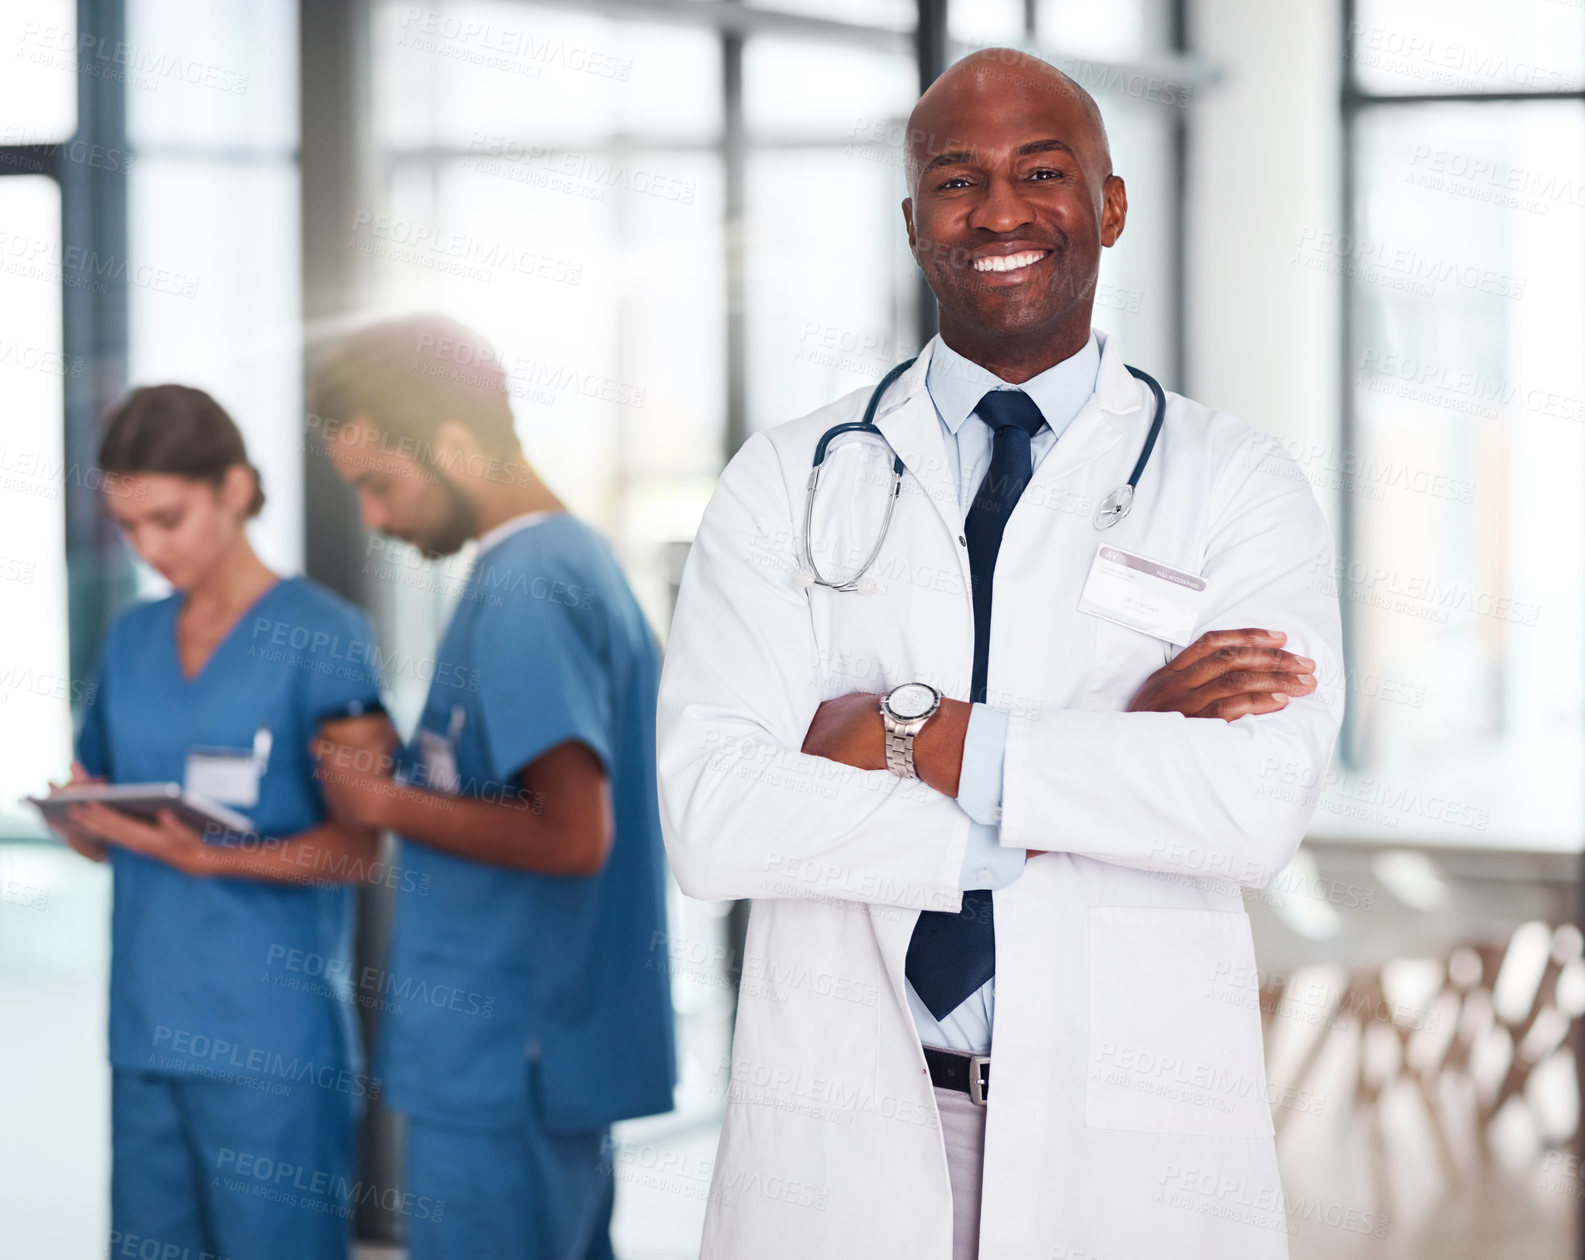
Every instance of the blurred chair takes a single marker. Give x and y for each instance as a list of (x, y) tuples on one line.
[(1483, 1035)]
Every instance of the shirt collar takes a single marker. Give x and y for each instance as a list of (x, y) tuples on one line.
[(507, 528), (956, 385)]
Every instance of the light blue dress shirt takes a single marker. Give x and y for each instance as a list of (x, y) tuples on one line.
[(956, 385)]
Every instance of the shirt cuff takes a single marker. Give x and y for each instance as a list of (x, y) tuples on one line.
[(986, 864), (984, 753)]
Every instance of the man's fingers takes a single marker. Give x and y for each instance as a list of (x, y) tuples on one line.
[(1231, 708), (1249, 681), (1245, 658), (1215, 640)]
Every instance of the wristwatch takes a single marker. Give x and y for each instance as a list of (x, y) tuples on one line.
[(905, 710)]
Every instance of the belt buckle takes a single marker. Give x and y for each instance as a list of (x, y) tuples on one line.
[(977, 1083)]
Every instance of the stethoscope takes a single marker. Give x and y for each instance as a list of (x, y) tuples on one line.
[(1113, 508)]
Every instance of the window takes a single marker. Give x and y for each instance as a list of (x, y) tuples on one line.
[(38, 114), (36, 684), (212, 218), (711, 209), (1462, 264)]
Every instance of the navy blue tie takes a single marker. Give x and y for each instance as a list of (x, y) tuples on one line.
[(951, 955)]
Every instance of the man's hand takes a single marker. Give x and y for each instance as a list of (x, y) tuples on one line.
[(356, 782), (850, 729), (1228, 674), (355, 758)]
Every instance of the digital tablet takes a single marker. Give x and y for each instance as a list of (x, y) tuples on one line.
[(144, 801)]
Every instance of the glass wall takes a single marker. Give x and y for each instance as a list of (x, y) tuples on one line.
[(212, 221), (1463, 259), (675, 230), (38, 114), (677, 234)]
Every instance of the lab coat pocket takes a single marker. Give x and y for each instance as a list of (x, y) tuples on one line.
[(1174, 1040), (1123, 659)]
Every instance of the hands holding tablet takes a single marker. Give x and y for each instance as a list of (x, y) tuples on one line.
[(136, 818), (80, 838), (92, 825)]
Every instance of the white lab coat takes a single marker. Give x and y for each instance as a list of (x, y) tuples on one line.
[(1128, 1114)]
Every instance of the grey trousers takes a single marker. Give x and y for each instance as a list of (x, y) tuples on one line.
[(963, 1131)]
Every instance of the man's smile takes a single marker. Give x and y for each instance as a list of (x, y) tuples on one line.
[(1020, 261)]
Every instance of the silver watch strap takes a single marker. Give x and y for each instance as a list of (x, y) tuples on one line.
[(900, 753)]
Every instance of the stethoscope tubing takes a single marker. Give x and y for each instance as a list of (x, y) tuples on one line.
[(1124, 494)]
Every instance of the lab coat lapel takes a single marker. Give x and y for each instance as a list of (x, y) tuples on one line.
[(908, 420), (1100, 424)]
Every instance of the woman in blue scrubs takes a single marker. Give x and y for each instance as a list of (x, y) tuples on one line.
[(236, 1072)]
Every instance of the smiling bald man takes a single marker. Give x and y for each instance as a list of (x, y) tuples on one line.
[(1014, 778)]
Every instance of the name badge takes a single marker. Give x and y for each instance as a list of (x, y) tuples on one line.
[(1143, 594), (439, 759), (224, 777)]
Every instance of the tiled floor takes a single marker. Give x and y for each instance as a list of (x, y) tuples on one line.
[(54, 1112)]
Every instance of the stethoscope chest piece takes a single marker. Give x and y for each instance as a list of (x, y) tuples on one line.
[(1114, 507)]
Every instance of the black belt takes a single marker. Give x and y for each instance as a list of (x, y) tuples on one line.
[(954, 1069)]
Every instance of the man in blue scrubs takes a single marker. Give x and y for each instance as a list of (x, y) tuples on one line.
[(525, 1019)]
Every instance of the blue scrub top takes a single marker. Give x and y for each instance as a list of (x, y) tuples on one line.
[(510, 989), (226, 978)]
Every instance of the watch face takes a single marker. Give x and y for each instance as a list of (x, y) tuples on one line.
[(910, 701)]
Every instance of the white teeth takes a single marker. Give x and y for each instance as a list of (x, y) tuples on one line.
[(1009, 262)]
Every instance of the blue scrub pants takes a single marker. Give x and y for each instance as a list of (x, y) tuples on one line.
[(522, 1194), (213, 1170)]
